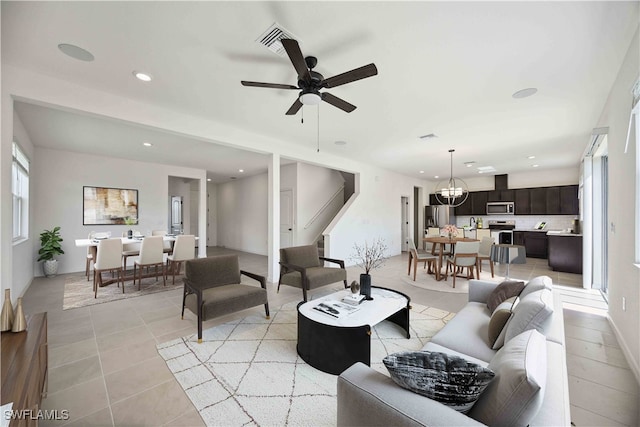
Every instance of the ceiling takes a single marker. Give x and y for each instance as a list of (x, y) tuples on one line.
[(444, 68)]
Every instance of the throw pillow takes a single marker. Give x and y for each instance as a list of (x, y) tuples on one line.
[(506, 289), (515, 396), (448, 379), (536, 284), (531, 312), (498, 322)]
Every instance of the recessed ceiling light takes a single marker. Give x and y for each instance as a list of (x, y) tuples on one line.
[(143, 76), (480, 172), (525, 93), (421, 171), (147, 144), (76, 52), (531, 157), (208, 179), (241, 170), (340, 142), (483, 169), (436, 177), (534, 166), (428, 136)]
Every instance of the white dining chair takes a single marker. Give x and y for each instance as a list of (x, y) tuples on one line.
[(108, 258), (484, 253), (465, 256), (183, 250), (91, 256), (167, 245), (151, 255)]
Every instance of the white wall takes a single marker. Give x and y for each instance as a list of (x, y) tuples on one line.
[(212, 214), (624, 277), (316, 187), (58, 177), (242, 214), (22, 262)]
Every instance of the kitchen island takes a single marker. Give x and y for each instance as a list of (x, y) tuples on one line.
[(565, 251)]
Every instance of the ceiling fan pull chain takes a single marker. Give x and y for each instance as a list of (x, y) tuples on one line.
[(302, 120), (318, 149)]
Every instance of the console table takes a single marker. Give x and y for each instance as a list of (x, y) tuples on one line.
[(24, 368)]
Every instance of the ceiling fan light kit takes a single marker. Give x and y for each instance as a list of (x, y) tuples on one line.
[(453, 192), (310, 82)]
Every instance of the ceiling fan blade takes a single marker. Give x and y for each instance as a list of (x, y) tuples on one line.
[(268, 85), (294, 108), (337, 102), (297, 59), (351, 76)]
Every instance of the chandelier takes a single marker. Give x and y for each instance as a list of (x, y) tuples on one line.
[(453, 192)]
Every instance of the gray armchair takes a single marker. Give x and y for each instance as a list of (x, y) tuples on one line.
[(300, 266), (212, 289)]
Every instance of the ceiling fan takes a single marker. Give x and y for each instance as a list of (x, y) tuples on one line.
[(311, 82)]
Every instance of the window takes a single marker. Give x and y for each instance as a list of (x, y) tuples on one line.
[(20, 192)]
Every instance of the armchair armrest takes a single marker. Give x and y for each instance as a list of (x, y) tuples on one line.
[(336, 261), (261, 279), (479, 290)]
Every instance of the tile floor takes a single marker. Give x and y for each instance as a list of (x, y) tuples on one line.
[(104, 367)]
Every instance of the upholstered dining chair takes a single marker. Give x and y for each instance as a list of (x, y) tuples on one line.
[(212, 288), (91, 256), (302, 267), (167, 245), (484, 253), (108, 258), (465, 256), (183, 250), (417, 257), (151, 255)]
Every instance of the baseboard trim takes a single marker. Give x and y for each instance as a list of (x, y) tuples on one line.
[(633, 364)]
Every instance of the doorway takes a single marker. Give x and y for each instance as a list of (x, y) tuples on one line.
[(176, 215), (286, 218), (405, 223)]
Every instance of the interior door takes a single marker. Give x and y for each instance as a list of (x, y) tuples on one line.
[(176, 214), (405, 224), (286, 218)]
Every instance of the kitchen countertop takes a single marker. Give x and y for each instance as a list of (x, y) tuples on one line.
[(534, 231), (562, 233)]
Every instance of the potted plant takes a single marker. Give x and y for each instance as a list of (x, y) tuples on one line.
[(369, 257), (50, 247)]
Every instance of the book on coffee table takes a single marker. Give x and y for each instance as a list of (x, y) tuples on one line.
[(336, 308), (353, 299)]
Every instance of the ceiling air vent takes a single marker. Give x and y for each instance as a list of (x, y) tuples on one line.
[(272, 36)]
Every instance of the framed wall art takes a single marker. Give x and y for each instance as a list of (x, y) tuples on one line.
[(109, 206)]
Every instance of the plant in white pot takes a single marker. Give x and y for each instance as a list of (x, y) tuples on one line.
[(49, 249), (369, 257)]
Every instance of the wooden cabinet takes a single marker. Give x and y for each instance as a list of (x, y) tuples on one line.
[(553, 200), (465, 208), (479, 203), (538, 200), (24, 368), (569, 204), (565, 253), (518, 238), (535, 243), (522, 201)]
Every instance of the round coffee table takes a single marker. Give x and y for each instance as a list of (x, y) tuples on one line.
[(332, 344)]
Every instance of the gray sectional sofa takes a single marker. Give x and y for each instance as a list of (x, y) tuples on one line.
[(369, 398)]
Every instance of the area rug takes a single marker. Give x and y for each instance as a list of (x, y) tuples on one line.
[(247, 372), (78, 291), (428, 281)]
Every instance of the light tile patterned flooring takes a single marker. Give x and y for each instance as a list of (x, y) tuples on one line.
[(104, 367)]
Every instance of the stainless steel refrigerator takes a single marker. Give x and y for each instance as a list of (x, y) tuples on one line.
[(439, 216)]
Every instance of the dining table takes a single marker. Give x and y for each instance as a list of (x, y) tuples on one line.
[(438, 243)]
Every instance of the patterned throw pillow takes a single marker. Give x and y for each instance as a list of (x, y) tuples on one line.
[(448, 379), (506, 289)]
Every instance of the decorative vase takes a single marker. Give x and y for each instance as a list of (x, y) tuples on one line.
[(129, 234), (450, 236), (20, 322), (365, 286), (6, 320), (50, 267)]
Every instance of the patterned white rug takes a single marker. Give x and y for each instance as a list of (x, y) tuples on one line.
[(247, 372)]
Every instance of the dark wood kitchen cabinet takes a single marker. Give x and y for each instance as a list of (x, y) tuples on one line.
[(465, 208), (565, 253), (479, 203), (518, 238), (569, 204), (538, 201), (522, 201), (535, 243), (553, 200)]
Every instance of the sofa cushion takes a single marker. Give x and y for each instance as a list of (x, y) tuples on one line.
[(505, 290), (467, 332), (536, 284), (498, 322), (531, 313), (448, 379), (514, 397)]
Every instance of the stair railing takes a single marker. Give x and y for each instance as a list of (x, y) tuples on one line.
[(324, 208)]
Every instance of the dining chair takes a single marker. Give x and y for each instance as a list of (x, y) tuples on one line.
[(151, 255), (167, 245), (417, 257), (484, 253), (91, 256), (183, 250), (464, 256), (432, 232), (108, 258)]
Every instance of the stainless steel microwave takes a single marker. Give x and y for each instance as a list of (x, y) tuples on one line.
[(500, 208)]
